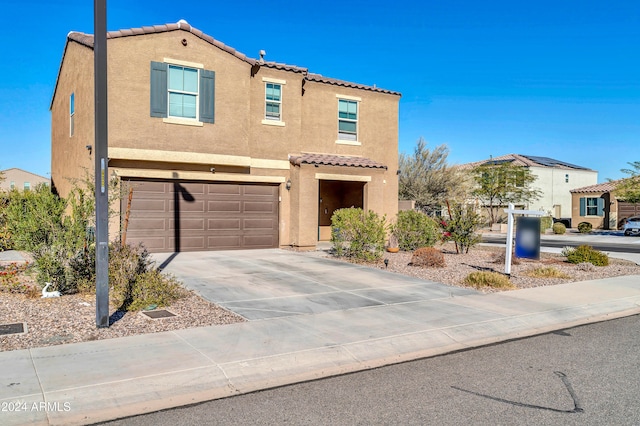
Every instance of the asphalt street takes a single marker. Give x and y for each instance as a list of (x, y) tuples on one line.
[(623, 245), (586, 375)]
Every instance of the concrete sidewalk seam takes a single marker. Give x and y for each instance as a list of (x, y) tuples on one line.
[(35, 370)]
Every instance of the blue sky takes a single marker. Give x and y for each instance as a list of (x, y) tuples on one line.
[(549, 78)]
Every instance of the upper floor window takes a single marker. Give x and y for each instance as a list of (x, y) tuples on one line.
[(72, 113), (566, 178), (12, 185), (347, 120), (182, 93), (27, 186), (273, 101)]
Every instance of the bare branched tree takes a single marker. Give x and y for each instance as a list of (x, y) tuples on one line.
[(427, 178)]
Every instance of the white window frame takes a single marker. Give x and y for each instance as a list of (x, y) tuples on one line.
[(12, 185), (270, 121), (184, 92), (26, 186), (342, 139), (72, 113)]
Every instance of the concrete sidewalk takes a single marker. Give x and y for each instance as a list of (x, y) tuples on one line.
[(107, 379)]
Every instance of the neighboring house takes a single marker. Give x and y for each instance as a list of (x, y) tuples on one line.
[(598, 205), (20, 179), (555, 179), (223, 151)]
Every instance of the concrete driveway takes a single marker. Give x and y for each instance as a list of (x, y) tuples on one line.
[(271, 283)]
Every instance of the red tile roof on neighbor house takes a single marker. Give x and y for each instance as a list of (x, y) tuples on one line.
[(600, 187), (334, 160), (182, 25)]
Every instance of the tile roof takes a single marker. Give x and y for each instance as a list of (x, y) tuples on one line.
[(600, 187), (334, 160), (526, 161), (321, 79), (182, 25)]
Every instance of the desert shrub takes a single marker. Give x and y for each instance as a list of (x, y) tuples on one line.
[(429, 257), (11, 281), (546, 272), (567, 250), (6, 242), (154, 288), (584, 227), (546, 222), (461, 227), (559, 228), (357, 234), (415, 229), (488, 279), (585, 266), (585, 253), (502, 258)]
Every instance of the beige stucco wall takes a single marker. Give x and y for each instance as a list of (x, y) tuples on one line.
[(238, 145), (556, 191), (70, 159), (607, 221)]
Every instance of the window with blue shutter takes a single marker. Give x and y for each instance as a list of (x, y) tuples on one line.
[(591, 206), (182, 92)]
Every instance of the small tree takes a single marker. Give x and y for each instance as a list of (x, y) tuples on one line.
[(628, 189), (426, 177), (461, 227), (498, 184)]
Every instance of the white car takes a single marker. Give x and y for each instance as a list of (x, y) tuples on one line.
[(631, 225)]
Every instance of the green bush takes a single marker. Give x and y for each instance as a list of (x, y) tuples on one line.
[(415, 229), (488, 279), (461, 227), (559, 228), (546, 222), (588, 254), (357, 234), (584, 227)]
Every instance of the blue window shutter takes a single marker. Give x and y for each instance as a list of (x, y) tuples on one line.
[(158, 89), (600, 206), (207, 95), (583, 206)]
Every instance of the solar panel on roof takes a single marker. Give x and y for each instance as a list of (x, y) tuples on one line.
[(550, 162)]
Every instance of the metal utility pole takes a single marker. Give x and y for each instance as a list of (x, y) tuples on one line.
[(101, 172)]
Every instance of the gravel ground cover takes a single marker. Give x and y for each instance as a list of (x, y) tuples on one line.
[(71, 318)]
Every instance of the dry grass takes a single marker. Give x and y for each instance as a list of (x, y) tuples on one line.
[(546, 272), (482, 279)]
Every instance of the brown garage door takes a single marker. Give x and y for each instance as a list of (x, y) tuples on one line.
[(202, 215)]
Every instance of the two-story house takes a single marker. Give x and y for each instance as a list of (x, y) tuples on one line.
[(19, 179), (554, 179), (223, 151)]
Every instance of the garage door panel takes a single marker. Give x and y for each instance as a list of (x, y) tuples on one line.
[(255, 224), (224, 206), (259, 207), (224, 189), (268, 191), (148, 205), (186, 207), (222, 242), (188, 224), (258, 241), (231, 223), (212, 216), (141, 225)]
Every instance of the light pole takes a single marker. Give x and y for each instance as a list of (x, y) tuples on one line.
[(101, 160)]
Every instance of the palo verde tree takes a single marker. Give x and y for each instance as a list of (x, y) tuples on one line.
[(628, 189), (427, 178), (501, 183)]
